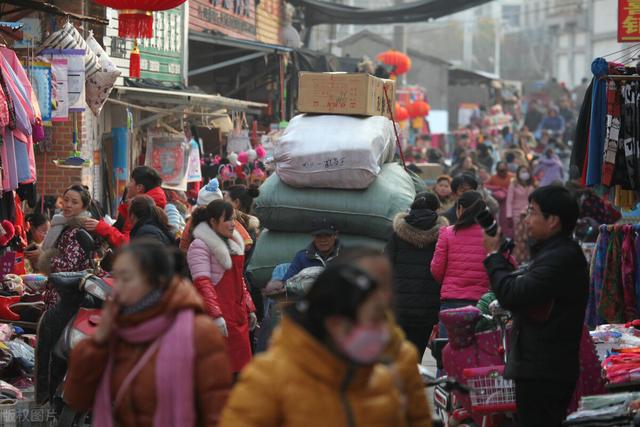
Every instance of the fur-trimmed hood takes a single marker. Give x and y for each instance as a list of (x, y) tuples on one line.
[(220, 249), (415, 236)]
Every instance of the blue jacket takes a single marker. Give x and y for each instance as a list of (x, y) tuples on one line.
[(310, 257)]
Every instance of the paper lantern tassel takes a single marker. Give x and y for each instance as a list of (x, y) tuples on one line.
[(135, 24), (134, 62)]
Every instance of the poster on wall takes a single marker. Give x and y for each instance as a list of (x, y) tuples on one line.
[(194, 169), (628, 21), (75, 75), (59, 71), (168, 155), (40, 73)]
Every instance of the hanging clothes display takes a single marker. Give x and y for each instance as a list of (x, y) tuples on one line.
[(606, 149), (614, 294)]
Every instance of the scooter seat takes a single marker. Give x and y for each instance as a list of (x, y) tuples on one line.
[(64, 282)]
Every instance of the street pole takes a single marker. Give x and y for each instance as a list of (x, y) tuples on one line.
[(498, 42)]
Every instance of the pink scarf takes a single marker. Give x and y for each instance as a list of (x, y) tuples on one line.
[(174, 339)]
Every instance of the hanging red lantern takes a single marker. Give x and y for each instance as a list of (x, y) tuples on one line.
[(401, 114), (400, 62), (419, 109), (135, 18)]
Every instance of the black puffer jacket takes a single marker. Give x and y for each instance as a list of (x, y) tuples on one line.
[(151, 229), (417, 293)]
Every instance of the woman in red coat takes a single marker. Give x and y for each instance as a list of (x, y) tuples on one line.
[(216, 261)]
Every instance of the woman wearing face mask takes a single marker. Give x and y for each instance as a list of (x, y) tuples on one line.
[(60, 251), (156, 359), (321, 369), (458, 262), (517, 202), (216, 261)]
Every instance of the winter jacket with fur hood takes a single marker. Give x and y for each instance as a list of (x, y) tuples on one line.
[(458, 263), (417, 293)]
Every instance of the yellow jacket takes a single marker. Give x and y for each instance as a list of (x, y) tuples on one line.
[(402, 358), (299, 382)]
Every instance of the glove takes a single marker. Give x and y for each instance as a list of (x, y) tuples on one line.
[(221, 325), (253, 321)]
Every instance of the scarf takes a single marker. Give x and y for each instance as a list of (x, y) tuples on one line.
[(424, 219), (147, 302), (172, 337), (58, 223)]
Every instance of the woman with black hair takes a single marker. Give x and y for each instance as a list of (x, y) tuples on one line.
[(322, 367), (216, 261), (60, 250), (242, 197), (410, 250), (458, 262), (155, 358), (149, 221), (516, 210)]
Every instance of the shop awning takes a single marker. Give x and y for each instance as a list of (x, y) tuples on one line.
[(461, 76), (321, 12), (189, 98), (254, 50)]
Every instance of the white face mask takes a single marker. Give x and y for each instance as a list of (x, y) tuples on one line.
[(524, 176)]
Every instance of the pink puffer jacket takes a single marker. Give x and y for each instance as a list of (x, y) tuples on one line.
[(458, 263)]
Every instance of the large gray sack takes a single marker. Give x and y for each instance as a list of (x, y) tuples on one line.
[(367, 212), (275, 248)]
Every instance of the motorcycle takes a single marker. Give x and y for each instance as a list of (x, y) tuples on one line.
[(75, 317), (474, 391)]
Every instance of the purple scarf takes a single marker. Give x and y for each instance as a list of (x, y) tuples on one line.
[(174, 339)]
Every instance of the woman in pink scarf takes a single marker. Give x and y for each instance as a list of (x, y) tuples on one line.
[(156, 358)]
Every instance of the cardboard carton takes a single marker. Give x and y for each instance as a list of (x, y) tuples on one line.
[(353, 94)]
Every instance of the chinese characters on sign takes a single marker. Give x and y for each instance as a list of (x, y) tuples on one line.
[(234, 18), (628, 20)]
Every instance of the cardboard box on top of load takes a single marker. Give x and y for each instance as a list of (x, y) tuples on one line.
[(352, 94)]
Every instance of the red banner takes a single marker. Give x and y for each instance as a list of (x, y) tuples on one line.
[(628, 20)]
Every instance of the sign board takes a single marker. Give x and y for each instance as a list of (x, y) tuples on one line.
[(162, 56), (628, 20), (234, 18)]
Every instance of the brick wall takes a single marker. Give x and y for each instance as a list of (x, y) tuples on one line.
[(54, 180)]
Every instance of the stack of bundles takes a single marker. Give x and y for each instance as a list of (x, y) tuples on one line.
[(357, 190)]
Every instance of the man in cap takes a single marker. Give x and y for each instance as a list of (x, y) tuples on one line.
[(324, 247)]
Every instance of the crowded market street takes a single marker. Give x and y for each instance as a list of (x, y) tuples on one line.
[(319, 213)]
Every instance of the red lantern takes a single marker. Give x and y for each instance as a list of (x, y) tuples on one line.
[(419, 109), (401, 114), (400, 62), (135, 19)]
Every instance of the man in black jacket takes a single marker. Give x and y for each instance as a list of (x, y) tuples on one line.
[(548, 300)]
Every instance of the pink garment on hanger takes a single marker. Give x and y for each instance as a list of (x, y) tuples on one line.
[(18, 69)]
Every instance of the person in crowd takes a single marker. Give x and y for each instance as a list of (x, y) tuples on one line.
[(442, 189), (176, 211), (548, 300), (485, 156), (483, 176), (216, 262), (60, 251), (534, 116), (149, 221), (38, 227), (506, 135), (510, 161), (144, 180), (400, 354), (527, 142), (517, 202), (466, 165), (462, 147), (502, 177), (156, 358), (324, 247), (549, 168), (206, 195), (457, 263), (411, 250), (242, 197), (459, 185), (553, 122), (328, 344), (498, 185)]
